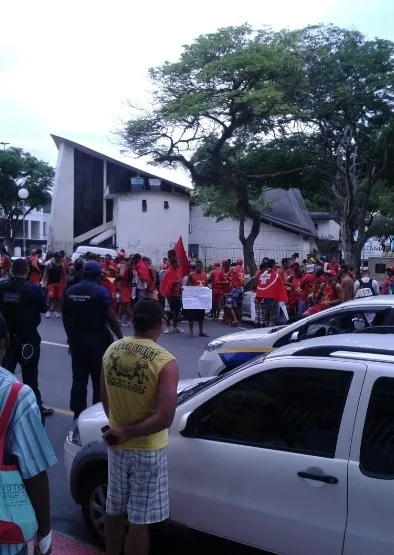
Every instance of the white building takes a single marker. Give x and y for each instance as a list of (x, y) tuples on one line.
[(36, 224), (98, 200)]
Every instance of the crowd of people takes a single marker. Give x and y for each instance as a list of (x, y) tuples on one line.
[(297, 290)]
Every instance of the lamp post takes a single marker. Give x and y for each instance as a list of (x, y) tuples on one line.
[(4, 144), (23, 194)]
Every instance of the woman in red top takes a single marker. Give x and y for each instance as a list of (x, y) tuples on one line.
[(198, 278), (110, 271), (294, 291), (217, 277)]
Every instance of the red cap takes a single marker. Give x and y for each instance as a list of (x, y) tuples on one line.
[(224, 261), (240, 262), (331, 273), (216, 264)]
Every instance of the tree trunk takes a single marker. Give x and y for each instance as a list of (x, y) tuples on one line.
[(248, 243), (351, 248)]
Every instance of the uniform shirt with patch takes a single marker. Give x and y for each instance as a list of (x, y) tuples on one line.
[(131, 369)]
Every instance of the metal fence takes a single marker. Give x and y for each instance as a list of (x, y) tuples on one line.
[(210, 254)]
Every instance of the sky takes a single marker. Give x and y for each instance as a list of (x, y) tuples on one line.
[(68, 68)]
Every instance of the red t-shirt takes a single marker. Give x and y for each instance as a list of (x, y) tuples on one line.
[(110, 271), (333, 266), (238, 276), (198, 279), (217, 277), (310, 285), (227, 281), (296, 291)]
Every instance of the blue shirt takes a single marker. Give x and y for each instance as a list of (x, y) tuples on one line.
[(85, 308), (26, 438)]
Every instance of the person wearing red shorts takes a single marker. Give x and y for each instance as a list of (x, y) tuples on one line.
[(54, 281), (110, 272), (35, 272), (217, 278), (125, 293)]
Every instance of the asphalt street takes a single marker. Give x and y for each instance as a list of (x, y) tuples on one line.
[(55, 383)]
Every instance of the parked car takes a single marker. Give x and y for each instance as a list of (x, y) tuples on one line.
[(292, 454), (229, 351)]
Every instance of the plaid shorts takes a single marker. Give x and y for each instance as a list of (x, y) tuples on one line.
[(138, 485)]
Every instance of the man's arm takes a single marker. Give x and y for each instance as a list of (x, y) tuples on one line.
[(189, 279), (113, 323), (37, 489), (340, 296), (165, 409), (103, 394), (375, 287), (45, 276)]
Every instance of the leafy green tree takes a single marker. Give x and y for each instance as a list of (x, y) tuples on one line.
[(20, 169), (382, 228), (228, 90)]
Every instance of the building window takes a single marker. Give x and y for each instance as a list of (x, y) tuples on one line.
[(35, 229), (166, 205), (190, 229), (88, 192), (109, 214), (44, 229), (144, 206)]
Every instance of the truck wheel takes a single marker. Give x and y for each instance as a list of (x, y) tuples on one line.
[(93, 504)]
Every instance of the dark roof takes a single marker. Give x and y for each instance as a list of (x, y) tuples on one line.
[(320, 216), (143, 173), (288, 211)]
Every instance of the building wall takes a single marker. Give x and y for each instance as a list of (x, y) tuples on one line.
[(61, 228), (153, 232), (36, 231), (218, 241), (327, 229)]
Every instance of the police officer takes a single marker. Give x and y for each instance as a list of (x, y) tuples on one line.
[(87, 317), (22, 304)]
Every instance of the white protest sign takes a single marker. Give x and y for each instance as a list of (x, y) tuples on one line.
[(196, 298)]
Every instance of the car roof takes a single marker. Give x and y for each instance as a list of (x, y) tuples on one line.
[(371, 346)]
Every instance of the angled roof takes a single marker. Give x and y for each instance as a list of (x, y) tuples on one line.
[(320, 216), (143, 173), (288, 211)]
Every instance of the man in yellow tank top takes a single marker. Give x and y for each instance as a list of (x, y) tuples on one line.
[(139, 393)]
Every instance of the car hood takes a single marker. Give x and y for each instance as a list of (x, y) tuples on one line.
[(94, 418), (250, 335)]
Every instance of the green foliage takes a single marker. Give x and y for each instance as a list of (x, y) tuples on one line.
[(383, 229), (20, 169)]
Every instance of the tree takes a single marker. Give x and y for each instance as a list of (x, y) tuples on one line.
[(19, 169), (347, 116), (228, 90), (382, 228)]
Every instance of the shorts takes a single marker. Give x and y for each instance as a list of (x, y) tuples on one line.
[(195, 315), (271, 311), (217, 298), (55, 291), (35, 278), (315, 309), (234, 299), (125, 294), (175, 304), (138, 485)]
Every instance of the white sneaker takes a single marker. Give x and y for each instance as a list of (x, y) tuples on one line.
[(168, 330), (48, 314), (58, 315)]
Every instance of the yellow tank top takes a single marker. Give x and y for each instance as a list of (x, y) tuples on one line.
[(131, 369)]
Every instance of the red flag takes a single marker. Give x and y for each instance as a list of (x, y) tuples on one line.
[(182, 257)]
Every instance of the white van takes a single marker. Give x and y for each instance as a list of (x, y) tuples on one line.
[(83, 249)]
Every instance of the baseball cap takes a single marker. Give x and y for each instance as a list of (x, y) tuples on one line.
[(330, 273), (92, 267)]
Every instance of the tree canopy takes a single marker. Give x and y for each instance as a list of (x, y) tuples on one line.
[(20, 169), (243, 109)]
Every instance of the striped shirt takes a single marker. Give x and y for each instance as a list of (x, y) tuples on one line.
[(26, 438)]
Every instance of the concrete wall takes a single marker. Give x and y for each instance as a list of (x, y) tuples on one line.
[(218, 241), (327, 229), (153, 232), (61, 227)]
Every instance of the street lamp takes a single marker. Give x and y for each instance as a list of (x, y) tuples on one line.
[(23, 194), (4, 144)]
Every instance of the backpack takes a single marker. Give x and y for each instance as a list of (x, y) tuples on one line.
[(364, 290), (17, 517)]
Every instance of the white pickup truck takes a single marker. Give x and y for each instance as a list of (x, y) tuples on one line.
[(292, 453)]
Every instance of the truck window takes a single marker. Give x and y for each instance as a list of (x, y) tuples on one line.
[(377, 444)]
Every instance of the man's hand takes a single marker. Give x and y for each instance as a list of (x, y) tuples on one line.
[(118, 434)]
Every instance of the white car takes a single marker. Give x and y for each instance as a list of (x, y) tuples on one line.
[(293, 454), (230, 351)]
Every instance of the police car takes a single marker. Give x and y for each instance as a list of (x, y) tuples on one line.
[(230, 351)]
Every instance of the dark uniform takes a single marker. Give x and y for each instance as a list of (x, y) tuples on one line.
[(22, 304), (85, 319)]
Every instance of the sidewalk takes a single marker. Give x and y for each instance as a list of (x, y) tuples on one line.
[(63, 545)]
